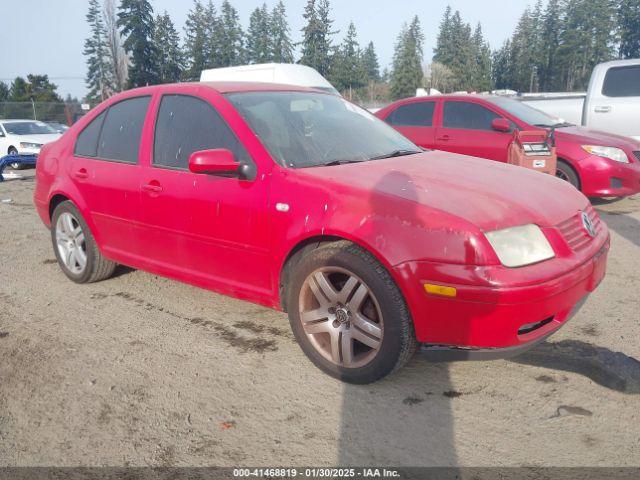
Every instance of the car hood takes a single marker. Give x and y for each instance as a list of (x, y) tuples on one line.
[(587, 136), (490, 195), (46, 138)]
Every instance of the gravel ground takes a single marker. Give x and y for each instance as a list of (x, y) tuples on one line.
[(141, 370)]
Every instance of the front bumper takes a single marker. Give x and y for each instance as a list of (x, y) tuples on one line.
[(506, 317), (601, 177)]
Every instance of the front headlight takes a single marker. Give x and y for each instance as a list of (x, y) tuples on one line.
[(34, 146), (612, 153), (519, 246)]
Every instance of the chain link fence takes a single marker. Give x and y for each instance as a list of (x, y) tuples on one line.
[(61, 112)]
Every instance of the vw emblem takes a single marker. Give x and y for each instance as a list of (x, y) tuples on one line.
[(588, 225)]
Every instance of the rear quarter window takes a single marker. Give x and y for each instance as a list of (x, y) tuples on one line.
[(87, 142), (622, 82)]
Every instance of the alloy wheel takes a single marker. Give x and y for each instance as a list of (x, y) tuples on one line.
[(341, 317), (71, 244)]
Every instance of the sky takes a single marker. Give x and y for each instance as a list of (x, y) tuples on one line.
[(49, 38)]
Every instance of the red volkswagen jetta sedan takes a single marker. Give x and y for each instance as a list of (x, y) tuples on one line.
[(299, 200), (597, 163)]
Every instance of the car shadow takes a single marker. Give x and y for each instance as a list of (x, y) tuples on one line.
[(378, 422), (619, 219)]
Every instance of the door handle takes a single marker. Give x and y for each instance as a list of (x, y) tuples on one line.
[(602, 109), (81, 174), (443, 138), (153, 187)]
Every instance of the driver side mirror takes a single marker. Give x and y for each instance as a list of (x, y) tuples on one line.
[(219, 161), (501, 125)]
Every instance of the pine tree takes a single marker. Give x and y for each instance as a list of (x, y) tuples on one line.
[(629, 25), (4, 92), (549, 40), (316, 42), (280, 35), (232, 50), (481, 72), (501, 67), (259, 39), (95, 51), (370, 63), (347, 70), (135, 19), (167, 44), (444, 53), (406, 73)]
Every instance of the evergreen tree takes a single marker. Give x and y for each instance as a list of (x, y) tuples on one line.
[(370, 63), (212, 27), (232, 50), (501, 67), (629, 26), (316, 42), (259, 36), (444, 53), (95, 51), (195, 45), (282, 47), (135, 19), (4, 92), (347, 70), (549, 40), (406, 73), (167, 44), (481, 72)]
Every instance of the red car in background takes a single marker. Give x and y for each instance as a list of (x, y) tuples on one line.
[(296, 199), (598, 164)]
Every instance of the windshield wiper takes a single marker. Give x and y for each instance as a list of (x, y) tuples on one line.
[(338, 162), (395, 153)]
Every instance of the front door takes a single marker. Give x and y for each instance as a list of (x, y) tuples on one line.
[(205, 229), (466, 128), (415, 121)]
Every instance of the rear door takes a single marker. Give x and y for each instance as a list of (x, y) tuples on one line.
[(106, 172), (466, 128), (415, 121), (615, 107), (203, 228)]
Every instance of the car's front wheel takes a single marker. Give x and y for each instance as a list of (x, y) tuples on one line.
[(75, 248), (565, 172), (348, 314)]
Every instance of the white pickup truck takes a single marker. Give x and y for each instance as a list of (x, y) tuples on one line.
[(612, 103)]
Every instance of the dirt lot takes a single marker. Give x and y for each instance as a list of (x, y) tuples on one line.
[(141, 370)]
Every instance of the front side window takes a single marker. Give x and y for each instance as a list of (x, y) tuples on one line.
[(87, 142), (622, 82), (121, 131), (188, 124), (418, 114), (467, 116), (303, 129)]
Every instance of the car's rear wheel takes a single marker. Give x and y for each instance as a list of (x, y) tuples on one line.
[(15, 165), (75, 248), (565, 172), (348, 314)]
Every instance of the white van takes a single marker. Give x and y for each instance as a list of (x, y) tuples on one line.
[(285, 73)]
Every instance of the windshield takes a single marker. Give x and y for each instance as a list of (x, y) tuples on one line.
[(28, 128), (308, 129), (526, 113)]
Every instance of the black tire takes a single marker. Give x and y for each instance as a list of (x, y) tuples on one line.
[(398, 341), (566, 172), (15, 165), (97, 266)]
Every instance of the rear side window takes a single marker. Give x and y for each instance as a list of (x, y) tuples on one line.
[(622, 82), (121, 131), (188, 124), (467, 116), (418, 114), (87, 142)]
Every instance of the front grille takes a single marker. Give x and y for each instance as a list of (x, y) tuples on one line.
[(637, 155), (573, 230)]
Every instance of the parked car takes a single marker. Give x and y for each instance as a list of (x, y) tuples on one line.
[(24, 137), (280, 73), (296, 199), (611, 103), (597, 163)]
